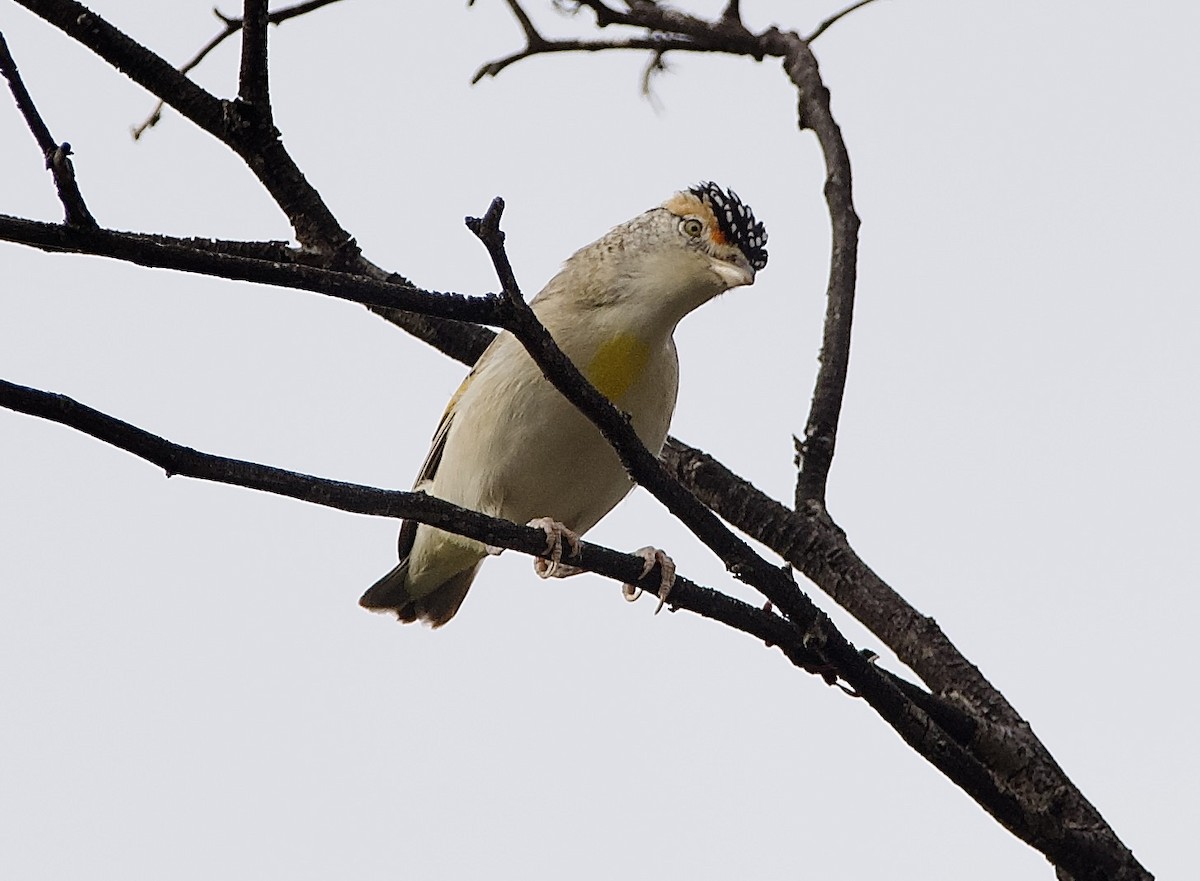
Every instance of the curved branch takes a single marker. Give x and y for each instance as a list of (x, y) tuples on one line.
[(815, 452)]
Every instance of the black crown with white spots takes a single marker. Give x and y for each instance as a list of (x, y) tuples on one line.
[(736, 221)]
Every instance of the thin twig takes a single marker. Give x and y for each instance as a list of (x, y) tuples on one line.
[(656, 64), (834, 19), (56, 155)]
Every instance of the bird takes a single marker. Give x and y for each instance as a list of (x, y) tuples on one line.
[(510, 445)]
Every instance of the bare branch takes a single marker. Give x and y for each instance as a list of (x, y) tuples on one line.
[(655, 44), (834, 19), (55, 155), (193, 255)]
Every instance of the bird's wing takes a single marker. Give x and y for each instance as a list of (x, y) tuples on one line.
[(408, 528)]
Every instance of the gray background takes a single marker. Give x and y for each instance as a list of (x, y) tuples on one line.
[(188, 687)]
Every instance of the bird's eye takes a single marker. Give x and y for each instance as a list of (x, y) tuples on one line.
[(693, 227)]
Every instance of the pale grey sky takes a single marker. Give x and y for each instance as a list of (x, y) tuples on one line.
[(189, 689)]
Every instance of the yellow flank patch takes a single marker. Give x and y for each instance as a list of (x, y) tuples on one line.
[(617, 365)]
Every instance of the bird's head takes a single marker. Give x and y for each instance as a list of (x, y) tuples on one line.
[(667, 261), (716, 224)]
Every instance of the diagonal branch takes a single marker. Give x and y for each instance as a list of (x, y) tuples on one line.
[(820, 636), (56, 155), (807, 539)]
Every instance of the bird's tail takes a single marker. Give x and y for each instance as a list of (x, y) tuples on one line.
[(436, 607)]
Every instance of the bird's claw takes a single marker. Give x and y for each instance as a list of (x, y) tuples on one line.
[(653, 557), (556, 533)]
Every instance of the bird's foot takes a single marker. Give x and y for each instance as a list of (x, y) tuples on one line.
[(556, 533), (653, 557)]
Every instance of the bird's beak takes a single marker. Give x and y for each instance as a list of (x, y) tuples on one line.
[(734, 274)]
